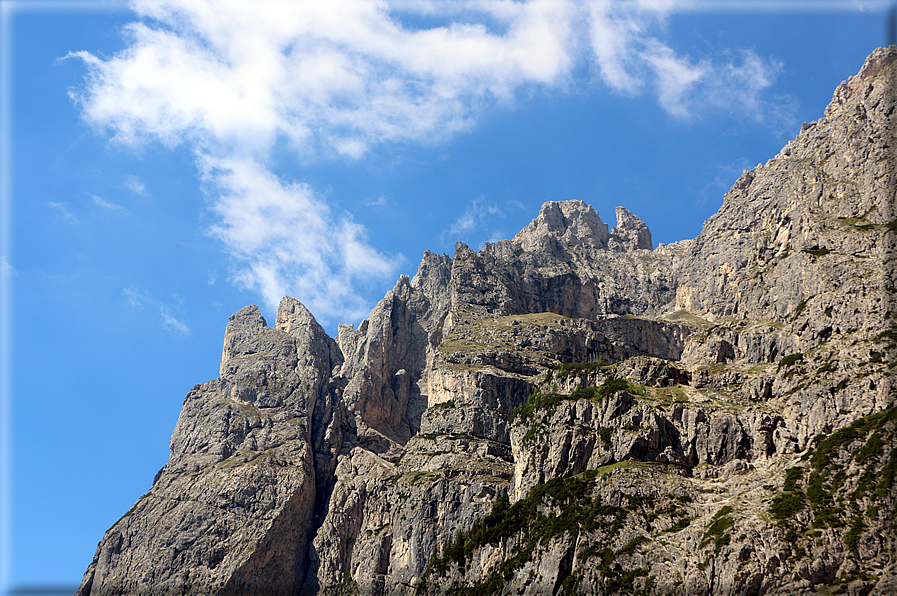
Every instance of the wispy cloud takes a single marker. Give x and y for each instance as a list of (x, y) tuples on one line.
[(381, 201), (135, 185), (631, 58), (6, 268), (784, 6), (137, 298), (172, 323), (63, 213), (324, 76), (290, 240), (100, 202), (724, 175), (231, 80), (476, 218)]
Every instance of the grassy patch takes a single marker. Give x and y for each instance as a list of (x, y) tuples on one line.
[(800, 308), (791, 500), (834, 493), (683, 316), (418, 475), (718, 531), (563, 506), (443, 405), (538, 400), (579, 368), (535, 401), (790, 360)]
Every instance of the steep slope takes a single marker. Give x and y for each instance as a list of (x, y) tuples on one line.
[(569, 410)]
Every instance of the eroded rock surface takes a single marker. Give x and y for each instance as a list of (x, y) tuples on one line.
[(569, 411)]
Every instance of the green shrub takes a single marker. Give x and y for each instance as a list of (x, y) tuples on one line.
[(792, 475), (718, 530), (535, 401), (680, 524), (633, 545), (886, 476), (790, 360), (857, 527), (531, 520), (584, 393), (612, 386), (872, 448), (606, 433), (816, 492), (800, 308), (786, 504)]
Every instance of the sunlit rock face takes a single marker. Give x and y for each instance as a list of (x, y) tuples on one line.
[(570, 411)]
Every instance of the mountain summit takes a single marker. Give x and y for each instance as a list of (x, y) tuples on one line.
[(570, 411)]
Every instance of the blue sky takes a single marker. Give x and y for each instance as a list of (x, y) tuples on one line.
[(167, 163)]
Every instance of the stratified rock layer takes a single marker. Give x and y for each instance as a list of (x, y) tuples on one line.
[(570, 411)]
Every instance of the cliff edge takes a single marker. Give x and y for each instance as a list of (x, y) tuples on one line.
[(569, 411)]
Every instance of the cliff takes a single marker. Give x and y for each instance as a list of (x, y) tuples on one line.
[(569, 411)]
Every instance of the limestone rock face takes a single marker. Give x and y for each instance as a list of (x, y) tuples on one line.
[(233, 507), (563, 224), (631, 233), (570, 411)]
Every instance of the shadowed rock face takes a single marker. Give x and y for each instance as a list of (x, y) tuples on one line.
[(569, 411)]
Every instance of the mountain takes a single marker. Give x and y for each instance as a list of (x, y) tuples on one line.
[(569, 411)]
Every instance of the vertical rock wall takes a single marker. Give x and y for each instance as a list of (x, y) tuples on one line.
[(567, 411)]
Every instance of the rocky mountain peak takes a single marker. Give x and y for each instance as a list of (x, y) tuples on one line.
[(575, 225), (243, 324), (631, 233), (569, 411), (296, 320), (875, 63), (292, 315), (568, 223)]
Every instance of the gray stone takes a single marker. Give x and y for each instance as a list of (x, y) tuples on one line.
[(641, 412)]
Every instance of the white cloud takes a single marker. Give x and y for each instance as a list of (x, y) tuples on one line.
[(336, 75), (381, 201), (779, 6), (137, 298), (630, 58), (289, 240), (613, 33), (476, 217), (100, 202), (63, 213), (6, 268), (135, 185), (676, 77), (741, 82), (230, 80), (172, 323)]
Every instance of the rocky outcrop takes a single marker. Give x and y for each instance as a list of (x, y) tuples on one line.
[(569, 411), (563, 225), (233, 507), (631, 233)]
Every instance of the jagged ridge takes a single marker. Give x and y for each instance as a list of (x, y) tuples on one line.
[(568, 411)]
